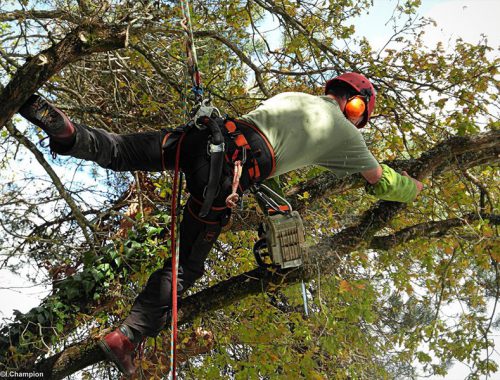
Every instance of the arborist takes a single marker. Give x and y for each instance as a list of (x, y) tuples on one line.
[(286, 132)]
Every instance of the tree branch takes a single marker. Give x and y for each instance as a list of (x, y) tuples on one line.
[(327, 183), (239, 53), (273, 8), (79, 43), (80, 219), (21, 15), (429, 230)]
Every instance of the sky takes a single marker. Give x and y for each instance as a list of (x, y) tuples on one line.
[(467, 19), (16, 291)]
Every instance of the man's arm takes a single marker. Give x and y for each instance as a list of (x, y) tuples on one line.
[(372, 176), (386, 184)]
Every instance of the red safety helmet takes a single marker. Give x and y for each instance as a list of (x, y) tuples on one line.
[(363, 86)]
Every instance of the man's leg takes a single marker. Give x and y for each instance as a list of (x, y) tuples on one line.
[(197, 236), (150, 310), (136, 151)]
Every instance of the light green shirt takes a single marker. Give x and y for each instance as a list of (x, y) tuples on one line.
[(305, 129)]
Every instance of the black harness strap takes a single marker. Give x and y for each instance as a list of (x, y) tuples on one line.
[(216, 150)]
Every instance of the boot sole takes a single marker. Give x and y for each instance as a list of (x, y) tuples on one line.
[(52, 125)]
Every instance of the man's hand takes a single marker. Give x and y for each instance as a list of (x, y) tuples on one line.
[(419, 184)]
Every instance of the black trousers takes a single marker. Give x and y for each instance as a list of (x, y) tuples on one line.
[(155, 151)]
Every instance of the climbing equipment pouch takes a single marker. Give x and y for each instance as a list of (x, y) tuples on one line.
[(284, 239), (282, 233)]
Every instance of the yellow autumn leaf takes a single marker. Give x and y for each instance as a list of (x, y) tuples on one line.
[(345, 286)]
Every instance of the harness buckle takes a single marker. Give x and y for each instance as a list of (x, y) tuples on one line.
[(215, 148), (243, 155)]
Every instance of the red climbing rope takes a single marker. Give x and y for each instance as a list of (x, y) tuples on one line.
[(192, 65), (175, 261)]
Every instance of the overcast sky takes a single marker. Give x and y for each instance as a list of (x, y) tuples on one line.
[(467, 19)]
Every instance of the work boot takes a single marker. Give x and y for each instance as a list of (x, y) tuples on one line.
[(52, 120), (119, 348)]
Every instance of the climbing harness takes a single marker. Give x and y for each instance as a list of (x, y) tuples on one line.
[(283, 238), (215, 149)]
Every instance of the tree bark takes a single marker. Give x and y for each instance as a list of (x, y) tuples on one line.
[(81, 42), (428, 230)]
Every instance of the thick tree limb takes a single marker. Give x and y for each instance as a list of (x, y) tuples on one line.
[(434, 229), (323, 256), (21, 15), (64, 364), (327, 184), (79, 43), (446, 152)]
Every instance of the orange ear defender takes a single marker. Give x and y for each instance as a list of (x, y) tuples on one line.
[(355, 107)]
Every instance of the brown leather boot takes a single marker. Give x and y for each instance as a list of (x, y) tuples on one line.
[(119, 349), (52, 120)]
